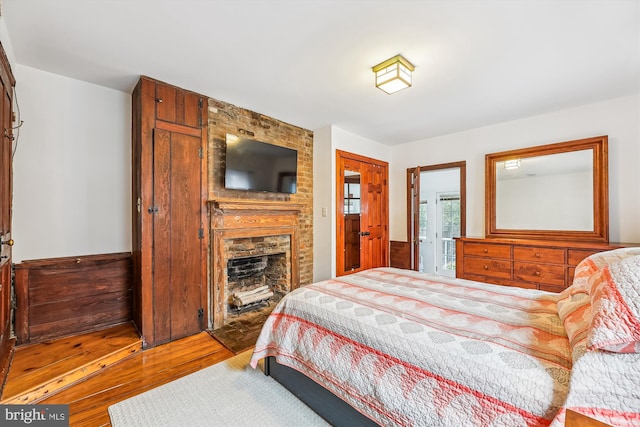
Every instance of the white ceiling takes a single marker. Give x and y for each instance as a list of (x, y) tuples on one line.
[(308, 62)]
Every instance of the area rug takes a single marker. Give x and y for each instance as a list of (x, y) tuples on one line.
[(229, 393)]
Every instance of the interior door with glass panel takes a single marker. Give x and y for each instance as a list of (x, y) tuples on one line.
[(436, 205), (362, 213)]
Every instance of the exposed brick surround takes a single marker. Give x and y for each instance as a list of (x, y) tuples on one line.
[(227, 118)]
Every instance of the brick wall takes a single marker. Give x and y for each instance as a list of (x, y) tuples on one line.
[(227, 118)]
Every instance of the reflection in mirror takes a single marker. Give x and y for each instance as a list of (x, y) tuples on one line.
[(555, 191), (552, 192), (351, 220)]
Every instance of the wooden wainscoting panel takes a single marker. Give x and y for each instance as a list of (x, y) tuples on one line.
[(57, 297), (400, 254)]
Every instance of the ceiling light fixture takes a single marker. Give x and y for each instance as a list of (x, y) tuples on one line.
[(512, 164), (394, 74)]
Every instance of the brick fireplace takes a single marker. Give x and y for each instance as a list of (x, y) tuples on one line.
[(254, 257), (258, 272)]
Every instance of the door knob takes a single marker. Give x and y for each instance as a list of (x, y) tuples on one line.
[(364, 233), (9, 242)]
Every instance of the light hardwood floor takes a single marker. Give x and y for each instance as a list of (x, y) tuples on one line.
[(140, 371)]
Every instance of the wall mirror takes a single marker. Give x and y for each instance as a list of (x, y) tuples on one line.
[(555, 191)]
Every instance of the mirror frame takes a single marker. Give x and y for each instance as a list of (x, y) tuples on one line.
[(600, 232)]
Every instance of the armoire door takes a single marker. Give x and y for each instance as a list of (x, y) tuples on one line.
[(362, 213), (169, 237), (177, 235), (7, 83)]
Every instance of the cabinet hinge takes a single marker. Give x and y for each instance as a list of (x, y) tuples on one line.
[(200, 313), (201, 233), (200, 121), (200, 103), (200, 152), (153, 209)]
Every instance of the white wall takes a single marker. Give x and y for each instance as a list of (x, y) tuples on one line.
[(323, 175), (325, 143), (618, 118), (72, 168)]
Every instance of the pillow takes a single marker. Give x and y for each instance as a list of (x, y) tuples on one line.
[(574, 303), (615, 307), (575, 313), (593, 263)]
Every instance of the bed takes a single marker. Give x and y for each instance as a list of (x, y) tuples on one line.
[(389, 346)]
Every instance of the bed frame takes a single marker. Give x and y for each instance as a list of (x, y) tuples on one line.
[(334, 410)]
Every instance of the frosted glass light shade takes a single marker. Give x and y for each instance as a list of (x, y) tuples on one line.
[(394, 74)]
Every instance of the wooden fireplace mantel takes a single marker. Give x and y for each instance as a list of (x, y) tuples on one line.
[(226, 205), (230, 214)]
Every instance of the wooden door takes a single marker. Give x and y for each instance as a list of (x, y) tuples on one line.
[(177, 234), (7, 82), (169, 212), (375, 217), (362, 213)]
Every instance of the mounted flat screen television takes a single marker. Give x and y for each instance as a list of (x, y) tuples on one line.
[(258, 166)]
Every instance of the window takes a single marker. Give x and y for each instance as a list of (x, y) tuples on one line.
[(450, 208)]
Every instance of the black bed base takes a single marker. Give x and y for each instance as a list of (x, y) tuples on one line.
[(323, 402)]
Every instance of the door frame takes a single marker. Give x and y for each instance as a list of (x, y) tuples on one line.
[(413, 187), (341, 158)]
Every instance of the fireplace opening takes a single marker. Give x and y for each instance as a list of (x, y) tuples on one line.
[(255, 282)]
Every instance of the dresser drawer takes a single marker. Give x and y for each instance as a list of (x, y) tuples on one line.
[(487, 267), (574, 256), (539, 273), (488, 250), (537, 254)]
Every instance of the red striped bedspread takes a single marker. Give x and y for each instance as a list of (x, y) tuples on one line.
[(405, 348)]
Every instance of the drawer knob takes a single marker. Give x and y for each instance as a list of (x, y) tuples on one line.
[(485, 250), (537, 273), (537, 254), (486, 267)]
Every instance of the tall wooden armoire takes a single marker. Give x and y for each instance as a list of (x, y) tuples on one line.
[(169, 211)]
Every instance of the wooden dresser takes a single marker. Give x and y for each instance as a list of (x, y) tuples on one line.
[(536, 264)]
